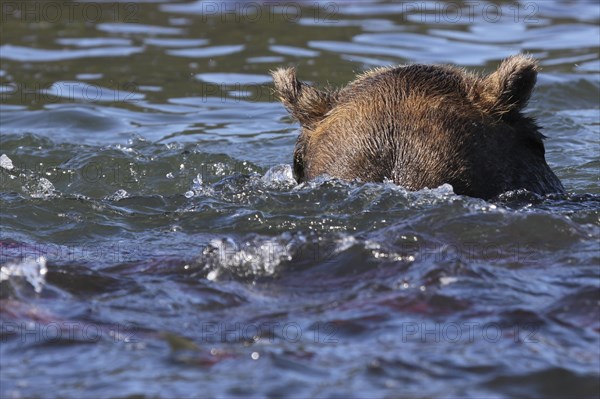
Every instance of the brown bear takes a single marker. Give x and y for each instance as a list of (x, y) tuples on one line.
[(422, 126)]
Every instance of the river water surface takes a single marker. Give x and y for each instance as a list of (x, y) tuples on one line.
[(155, 244)]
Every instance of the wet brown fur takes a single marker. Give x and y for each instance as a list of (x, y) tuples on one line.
[(423, 126)]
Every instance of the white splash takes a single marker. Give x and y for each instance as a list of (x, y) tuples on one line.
[(279, 174), (118, 195), (198, 188), (259, 256), (6, 162), (32, 269), (43, 189)]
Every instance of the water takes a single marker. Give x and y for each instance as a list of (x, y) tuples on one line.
[(154, 243)]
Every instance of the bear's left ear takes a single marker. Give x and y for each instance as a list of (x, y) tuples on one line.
[(509, 88), (303, 101)]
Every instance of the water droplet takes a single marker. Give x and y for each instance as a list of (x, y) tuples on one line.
[(447, 280), (212, 275)]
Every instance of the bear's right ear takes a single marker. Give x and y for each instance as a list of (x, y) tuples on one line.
[(304, 102), (509, 88)]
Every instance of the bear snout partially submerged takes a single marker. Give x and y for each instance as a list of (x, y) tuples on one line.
[(422, 126)]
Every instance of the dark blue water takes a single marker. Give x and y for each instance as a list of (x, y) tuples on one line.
[(155, 244)]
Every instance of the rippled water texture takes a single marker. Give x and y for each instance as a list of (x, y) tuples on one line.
[(154, 242)]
